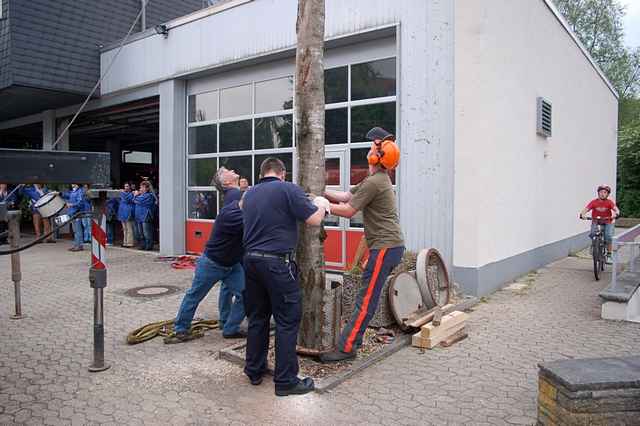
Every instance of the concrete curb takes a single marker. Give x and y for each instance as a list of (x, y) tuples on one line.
[(232, 354)]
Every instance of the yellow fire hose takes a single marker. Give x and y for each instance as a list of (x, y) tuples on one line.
[(165, 328)]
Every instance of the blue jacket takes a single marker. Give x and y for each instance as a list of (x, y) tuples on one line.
[(86, 205), (145, 206), (125, 209), (32, 193), (112, 208), (75, 200)]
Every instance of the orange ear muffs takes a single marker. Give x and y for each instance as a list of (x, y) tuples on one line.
[(374, 155)]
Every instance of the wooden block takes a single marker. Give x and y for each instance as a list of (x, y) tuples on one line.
[(447, 321), (420, 342), (455, 338), (437, 316)]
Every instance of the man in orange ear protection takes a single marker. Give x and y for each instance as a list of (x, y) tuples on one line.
[(375, 197)]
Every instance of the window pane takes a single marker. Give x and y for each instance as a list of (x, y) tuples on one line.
[(373, 79), (363, 118), (235, 136), (242, 165), (202, 204), (201, 171), (274, 95), (335, 126), (285, 158), (203, 107), (235, 101), (335, 85), (202, 139), (360, 167), (332, 166), (356, 221), (274, 132)]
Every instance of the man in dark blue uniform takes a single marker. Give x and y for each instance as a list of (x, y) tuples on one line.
[(221, 261), (271, 211)]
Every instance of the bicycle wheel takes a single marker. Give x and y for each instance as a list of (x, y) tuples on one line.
[(603, 255), (595, 253)]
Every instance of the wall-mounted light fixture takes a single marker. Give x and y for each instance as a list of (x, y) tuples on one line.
[(163, 30)]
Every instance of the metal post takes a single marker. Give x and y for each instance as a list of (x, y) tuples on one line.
[(614, 271), (16, 274), (98, 281)]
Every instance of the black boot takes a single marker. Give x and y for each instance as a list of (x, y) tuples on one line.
[(337, 356), (305, 385)]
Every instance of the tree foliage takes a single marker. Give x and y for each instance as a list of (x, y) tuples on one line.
[(629, 170), (599, 26)]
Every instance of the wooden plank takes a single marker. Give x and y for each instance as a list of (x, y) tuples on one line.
[(420, 318), (448, 321), (455, 338)]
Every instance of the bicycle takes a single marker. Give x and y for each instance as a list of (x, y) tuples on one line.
[(598, 246)]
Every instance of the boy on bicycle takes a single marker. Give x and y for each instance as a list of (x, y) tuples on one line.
[(606, 210)]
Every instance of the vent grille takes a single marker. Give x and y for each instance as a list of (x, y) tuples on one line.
[(544, 118)]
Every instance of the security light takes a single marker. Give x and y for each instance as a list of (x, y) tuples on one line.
[(163, 30)]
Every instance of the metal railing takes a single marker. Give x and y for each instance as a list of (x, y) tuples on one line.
[(626, 254)]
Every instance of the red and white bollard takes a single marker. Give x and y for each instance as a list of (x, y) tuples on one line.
[(98, 281)]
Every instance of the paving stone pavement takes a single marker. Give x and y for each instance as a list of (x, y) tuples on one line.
[(488, 379)]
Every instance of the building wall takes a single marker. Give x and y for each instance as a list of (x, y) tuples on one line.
[(56, 45), (425, 103), (5, 46), (514, 190)]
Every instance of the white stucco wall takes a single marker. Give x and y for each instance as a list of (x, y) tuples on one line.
[(514, 190)]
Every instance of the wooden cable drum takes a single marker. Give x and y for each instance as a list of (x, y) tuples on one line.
[(433, 278)]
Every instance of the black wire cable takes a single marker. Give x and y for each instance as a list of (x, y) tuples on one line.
[(44, 237)]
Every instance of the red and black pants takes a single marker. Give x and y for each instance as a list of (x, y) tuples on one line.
[(380, 264)]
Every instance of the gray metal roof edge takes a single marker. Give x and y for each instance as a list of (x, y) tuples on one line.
[(382, 31), (177, 22), (552, 7)]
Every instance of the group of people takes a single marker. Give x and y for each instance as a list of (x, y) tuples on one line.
[(134, 209), (33, 193), (251, 252)]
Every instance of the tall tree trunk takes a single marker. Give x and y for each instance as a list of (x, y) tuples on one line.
[(309, 110)]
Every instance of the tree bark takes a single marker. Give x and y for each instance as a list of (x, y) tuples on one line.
[(309, 118)]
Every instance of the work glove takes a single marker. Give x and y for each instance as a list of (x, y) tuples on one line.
[(322, 203)]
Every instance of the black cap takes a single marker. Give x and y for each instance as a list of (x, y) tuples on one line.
[(379, 133)]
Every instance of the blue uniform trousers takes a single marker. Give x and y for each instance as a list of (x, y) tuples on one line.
[(379, 266), (272, 289), (206, 275)]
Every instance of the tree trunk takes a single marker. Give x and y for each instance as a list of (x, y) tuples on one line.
[(309, 110)]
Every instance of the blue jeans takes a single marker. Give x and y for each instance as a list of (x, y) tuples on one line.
[(86, 225), (111, 231), (607, 229), (145, 235), (76, 224), (207, 274)]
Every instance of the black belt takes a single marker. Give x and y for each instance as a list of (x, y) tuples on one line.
[(284, 257)]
